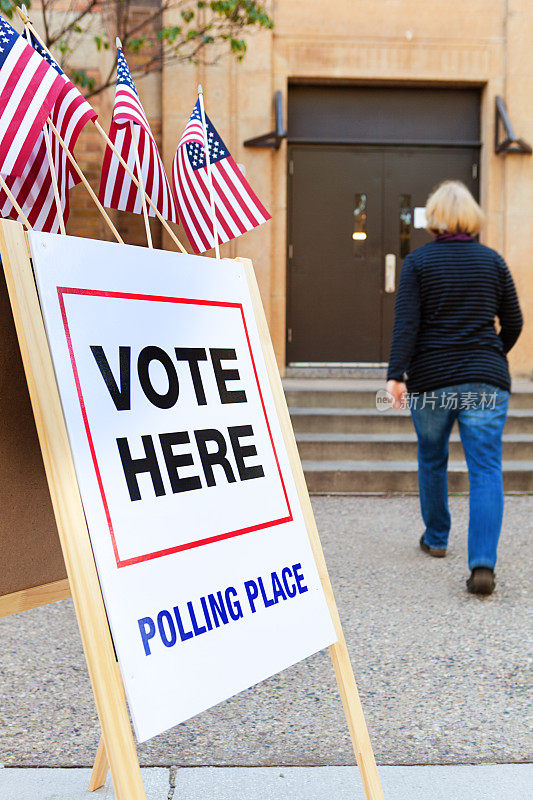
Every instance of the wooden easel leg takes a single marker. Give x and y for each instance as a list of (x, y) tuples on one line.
[(353, 711), (101, 762), (70, 517), (354, 716), (100, 767), (338, 651)]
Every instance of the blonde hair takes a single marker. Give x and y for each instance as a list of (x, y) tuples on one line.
[(451, 208)]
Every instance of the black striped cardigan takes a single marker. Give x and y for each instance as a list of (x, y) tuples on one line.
[(449, 294)]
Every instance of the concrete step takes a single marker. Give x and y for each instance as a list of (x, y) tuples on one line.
[(337, 398), (393, 447), (347, 393), (352, 477), (358, 373), (362, 420), (347, 445)]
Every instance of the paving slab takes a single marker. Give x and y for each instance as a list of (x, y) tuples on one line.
[(444, 677), (343, 783), (487, 782), (71, 784)]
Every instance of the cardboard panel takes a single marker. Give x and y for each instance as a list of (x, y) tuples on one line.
[(30, 553)]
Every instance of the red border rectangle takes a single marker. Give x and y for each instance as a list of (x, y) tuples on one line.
[(61, 291)]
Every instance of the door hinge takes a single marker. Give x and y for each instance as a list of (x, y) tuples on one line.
[(474, 171), (291, 167), (291, 251), (289, 335)]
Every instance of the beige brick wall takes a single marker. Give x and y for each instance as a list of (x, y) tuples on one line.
[(482, 42), (517, 191)]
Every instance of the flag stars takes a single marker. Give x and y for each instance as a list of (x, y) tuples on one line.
[(189, 171), (37, 46), (123, 73), (8, 31)]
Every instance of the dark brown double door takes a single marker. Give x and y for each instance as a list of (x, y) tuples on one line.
[(354, 214)]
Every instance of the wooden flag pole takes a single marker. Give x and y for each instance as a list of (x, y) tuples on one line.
[(54, 181), (112, 147), (139, 172), (149, 200), (85, 182), (24, 16), (141, 185), (208, 168), (11, 198)]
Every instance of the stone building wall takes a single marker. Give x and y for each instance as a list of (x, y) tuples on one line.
[(485, 43)]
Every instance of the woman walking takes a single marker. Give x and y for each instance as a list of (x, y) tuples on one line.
[(447, 354)]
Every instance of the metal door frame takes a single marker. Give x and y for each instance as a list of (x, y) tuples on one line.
[(357, 148), (288, 289)]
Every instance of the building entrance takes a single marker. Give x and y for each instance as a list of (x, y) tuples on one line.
[(355, 212)]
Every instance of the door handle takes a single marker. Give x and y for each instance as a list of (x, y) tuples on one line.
[(390, 273)]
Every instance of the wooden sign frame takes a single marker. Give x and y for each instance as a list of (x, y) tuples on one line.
[(117, 747), (34, 597)]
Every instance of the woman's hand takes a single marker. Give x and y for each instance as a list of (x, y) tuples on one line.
[(397, 390)]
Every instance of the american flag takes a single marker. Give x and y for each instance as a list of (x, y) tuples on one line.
[(29, 88), (117, 190), (34, 190), (237, 208)]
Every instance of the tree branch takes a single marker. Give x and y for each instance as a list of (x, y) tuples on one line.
[(45, 22), (217, 26), (51, 40)]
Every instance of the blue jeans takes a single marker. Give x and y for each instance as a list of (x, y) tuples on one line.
[(481, 429)]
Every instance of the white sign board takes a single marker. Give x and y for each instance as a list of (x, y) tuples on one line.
[(420, 220), (208, 577)]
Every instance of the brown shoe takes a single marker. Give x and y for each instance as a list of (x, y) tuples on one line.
[(481, 581), (431, 551)]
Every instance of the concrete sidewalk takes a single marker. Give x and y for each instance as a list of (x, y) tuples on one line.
[(444, 677), (487, 782)]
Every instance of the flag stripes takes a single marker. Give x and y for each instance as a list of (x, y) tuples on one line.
[(29, 87), (117, 190), (33, 87), (237, 208), (33, 190)]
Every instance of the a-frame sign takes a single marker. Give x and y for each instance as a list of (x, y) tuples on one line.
[(178, 494)]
